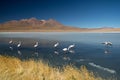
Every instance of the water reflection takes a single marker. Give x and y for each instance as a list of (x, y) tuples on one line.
[(36, 54), (107, 49), (56, 52), (44, 53), (66, 58), (11, 48), (72, 51), (19, 52)]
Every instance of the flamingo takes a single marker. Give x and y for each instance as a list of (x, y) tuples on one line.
[(55, 45), (36, 45), (107, 43), (71, 46), (10, 41), (19, 44), (65, 49)]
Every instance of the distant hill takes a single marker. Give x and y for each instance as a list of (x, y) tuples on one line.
[(35, 25)]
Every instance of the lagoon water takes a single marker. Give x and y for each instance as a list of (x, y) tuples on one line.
[(88, 50)]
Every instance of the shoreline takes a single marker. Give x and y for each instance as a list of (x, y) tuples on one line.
[(81, 30), (54, 32)]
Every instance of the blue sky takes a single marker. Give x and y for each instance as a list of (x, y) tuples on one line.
[(78, 13)]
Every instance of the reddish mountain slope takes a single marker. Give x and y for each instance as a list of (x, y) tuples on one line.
[(33, 24)]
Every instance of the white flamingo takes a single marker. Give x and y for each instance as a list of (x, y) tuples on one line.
[(36, 45), (19, 44), (65, 49), (71, 46), (55, 45), (10, 41), (107, 43)]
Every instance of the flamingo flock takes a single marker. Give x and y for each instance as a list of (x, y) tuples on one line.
[(65, 49), (37, 44)]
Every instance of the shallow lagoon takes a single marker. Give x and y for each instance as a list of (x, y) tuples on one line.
[(88, 49)]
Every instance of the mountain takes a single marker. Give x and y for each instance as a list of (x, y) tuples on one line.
[(33, 24)]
